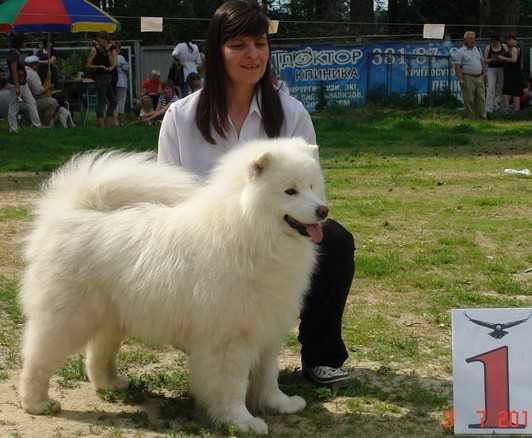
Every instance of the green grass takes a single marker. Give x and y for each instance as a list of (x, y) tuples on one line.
[(73, 373), (12, 213), (437, 226)]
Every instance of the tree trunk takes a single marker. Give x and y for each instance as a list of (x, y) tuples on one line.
[(362, 11), (325, 9), (502, 13)]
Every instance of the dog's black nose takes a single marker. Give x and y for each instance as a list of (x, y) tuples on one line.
[(322, 211)]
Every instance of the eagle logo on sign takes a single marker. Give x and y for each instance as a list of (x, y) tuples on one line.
[(498, 328)]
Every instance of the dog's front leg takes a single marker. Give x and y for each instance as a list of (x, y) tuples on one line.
[(219, 382), (264, 392)]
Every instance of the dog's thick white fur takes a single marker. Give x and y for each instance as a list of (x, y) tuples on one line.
[(122, 245)]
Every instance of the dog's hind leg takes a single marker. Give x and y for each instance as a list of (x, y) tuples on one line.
[(101, 359), (264, 393), (47, 344), (219, 381)]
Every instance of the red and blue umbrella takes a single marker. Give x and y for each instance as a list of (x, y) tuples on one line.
[(54, 16)]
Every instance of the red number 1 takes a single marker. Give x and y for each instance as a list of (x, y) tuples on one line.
[(496, 392), (497, 413)]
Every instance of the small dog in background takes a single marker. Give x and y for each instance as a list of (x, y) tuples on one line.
[(63, 115)]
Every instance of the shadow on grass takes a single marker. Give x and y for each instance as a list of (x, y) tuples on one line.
[(376, 403), (23, 182)]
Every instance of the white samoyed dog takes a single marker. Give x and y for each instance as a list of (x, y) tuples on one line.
[(122, 245)]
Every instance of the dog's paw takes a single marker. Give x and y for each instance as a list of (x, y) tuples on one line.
[(288, 405), (121, 383), (46, 407), (253, 424), (292, 405)]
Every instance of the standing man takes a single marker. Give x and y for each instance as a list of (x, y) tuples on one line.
[(470, 69), (18, 88)]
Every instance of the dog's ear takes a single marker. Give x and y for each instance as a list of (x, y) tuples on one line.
[(315, 151), (260, 164)]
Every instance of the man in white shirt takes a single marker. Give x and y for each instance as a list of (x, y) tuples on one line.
[(46, 105), (470, 68)]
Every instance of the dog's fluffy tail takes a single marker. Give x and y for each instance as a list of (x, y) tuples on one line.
[(101, 180)]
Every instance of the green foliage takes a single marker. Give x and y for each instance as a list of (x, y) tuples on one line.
[(12, 213), (73, 373), (9, 300), (70, 65), (441, 98)]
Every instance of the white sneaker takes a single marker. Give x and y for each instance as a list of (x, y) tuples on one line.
[(325, 375)]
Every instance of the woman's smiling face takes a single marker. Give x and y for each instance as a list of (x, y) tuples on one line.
[(245, 58)]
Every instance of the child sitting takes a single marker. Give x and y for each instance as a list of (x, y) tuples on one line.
[(146, 109), (165, 100)]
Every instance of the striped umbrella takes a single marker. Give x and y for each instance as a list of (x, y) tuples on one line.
[(54, 16)]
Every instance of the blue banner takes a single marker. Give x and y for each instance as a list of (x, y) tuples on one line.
[(348, 73)]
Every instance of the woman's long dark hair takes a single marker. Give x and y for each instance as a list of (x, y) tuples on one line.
[(234, 18)]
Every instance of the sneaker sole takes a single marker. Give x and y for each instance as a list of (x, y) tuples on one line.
[(331, 381)]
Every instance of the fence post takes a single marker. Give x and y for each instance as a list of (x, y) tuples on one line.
[(408, 74), (449, 66), (389, 85), (368, 75), (138, 67), (429, 77)]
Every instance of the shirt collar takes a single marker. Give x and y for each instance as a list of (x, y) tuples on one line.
[(254, 106)]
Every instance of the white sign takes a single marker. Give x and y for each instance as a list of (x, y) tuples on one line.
[(151, 24), (492, 371), (433, 31)]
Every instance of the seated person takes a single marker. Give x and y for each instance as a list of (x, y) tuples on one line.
[(194, 82), (46, 54), (167, 98), (5, 94), (152, 87), (526, 94), (176, 75), (146, 108), (4, 98), (46, 104)]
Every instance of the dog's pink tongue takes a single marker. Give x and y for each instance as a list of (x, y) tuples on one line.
[(315, 232)]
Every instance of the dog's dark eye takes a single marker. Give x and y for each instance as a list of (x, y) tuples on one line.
[(311, 187), (291, 192)]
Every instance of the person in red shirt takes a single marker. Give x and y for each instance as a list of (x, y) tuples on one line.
[(526, 94), (152, 87)]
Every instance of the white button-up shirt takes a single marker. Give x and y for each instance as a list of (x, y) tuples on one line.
[(181, 142)]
